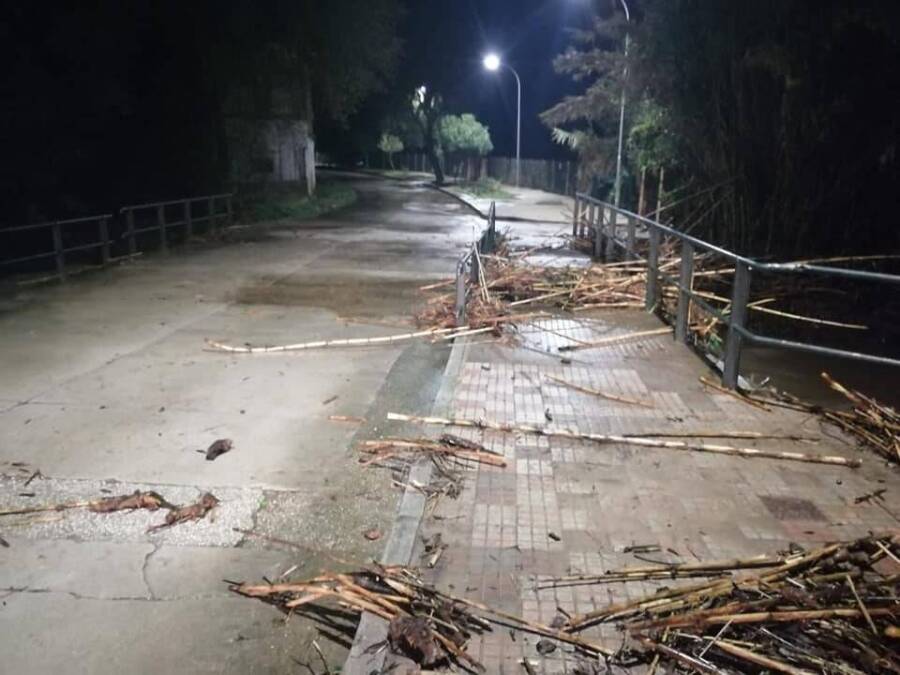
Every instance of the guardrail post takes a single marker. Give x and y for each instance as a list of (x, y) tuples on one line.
[(652, 296), (129, 224), (740, 293), (229, 214), (188, 222), (682, 330), (104, 241), (491, 231), (597, 234), (461, 293), (632, 253), (611, 235), (212, 214), (576, 215), (59, 251), (161, 220), (473, 262)]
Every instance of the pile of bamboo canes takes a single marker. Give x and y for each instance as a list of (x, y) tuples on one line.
[(509, 283), (427, 625), (873, 424), (832, 610)]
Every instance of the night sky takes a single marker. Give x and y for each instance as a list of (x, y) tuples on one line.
[(528, 34)]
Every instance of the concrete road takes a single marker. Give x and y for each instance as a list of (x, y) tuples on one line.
[(105, 388)]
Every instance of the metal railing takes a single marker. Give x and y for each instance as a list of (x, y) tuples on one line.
[(469, 265), (59, 250), (106, 233), (162, 219), (611, 228)]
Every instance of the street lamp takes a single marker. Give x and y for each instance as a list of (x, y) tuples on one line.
[(618, 189), (493, 63)]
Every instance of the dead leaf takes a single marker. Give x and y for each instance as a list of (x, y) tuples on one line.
[(149, 500), (545, 647), (219, 447), (411, 635), (190, 512)]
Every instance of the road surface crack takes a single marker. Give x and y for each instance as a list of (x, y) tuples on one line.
[(144, 567)]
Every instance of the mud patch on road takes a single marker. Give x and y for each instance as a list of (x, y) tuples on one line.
[(345, 297)]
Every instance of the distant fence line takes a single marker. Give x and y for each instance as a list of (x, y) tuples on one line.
[(559, 176), (65, 246)]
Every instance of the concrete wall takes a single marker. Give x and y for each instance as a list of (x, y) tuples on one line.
[(275, 151)]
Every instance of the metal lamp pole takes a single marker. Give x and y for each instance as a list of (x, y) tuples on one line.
[(493, 63), (618, 188)]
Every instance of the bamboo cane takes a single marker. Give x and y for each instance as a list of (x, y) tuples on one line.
[(740, 397), (44, 509), (321, 344), (759, 659), (616, 339), (636, 441), (597, 392), (682, 621)]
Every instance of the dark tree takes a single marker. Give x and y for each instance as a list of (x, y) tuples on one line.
[(119, 102), (781, 110)]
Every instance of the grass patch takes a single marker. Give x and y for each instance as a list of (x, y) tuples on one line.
[(278, 204), (488, 188), (401, 173)]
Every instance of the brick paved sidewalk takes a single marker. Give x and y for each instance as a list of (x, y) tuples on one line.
[(563, 507)]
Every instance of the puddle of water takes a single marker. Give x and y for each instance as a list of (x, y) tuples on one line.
[(799, 374)]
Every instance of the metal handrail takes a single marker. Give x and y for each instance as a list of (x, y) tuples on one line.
[(59, 248), (188, 219), (170, 202), (590, 214), (213, 216)]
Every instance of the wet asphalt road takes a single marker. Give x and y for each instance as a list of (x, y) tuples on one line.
[(106, 388)]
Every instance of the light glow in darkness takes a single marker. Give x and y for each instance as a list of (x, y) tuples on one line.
[(491, 62)]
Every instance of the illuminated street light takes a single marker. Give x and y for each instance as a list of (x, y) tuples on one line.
[(493, 63)]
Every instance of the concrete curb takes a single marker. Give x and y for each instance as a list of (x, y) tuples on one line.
[(462, 200), (398, 549), (483, 216)]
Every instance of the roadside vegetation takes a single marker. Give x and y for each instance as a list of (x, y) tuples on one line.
[(755, 122), (486, 188), (295, 204)]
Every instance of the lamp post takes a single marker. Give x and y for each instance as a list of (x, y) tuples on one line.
[(493, 63), (618, 189)]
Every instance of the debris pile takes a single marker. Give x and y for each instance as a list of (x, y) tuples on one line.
[(833, 609), (447, 446), (508, 283), (874, 425), (425, 624), (448, 455)]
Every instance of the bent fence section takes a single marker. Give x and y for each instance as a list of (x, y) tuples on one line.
[(613, 230), (469, 265)]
